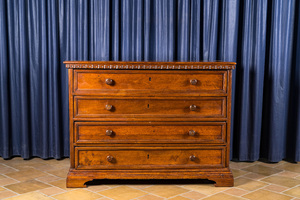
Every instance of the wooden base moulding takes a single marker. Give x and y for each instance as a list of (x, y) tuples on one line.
[(77, 179)]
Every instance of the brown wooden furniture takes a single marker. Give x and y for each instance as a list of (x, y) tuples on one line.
[(149, 120)]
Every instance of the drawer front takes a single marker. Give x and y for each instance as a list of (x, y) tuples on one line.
[(126, 132), (101, 107), (148, 158), (149, 82)]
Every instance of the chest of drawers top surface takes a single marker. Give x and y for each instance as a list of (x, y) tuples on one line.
[(120, 65), (152, 119)]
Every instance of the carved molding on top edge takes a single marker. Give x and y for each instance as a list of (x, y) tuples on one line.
[(95, 66)]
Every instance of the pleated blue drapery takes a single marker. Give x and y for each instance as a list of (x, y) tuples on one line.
[(262, 36)]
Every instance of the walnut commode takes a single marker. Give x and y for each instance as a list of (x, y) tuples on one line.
[(149, 120)]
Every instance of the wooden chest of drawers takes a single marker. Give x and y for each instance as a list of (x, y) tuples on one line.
[(149, 120)]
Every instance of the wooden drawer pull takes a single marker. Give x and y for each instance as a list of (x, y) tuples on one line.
[(193, 81), (192, 158), (193, 107), (192, 132), (109, 107), (109, 81), (109, 132), (110, 158)]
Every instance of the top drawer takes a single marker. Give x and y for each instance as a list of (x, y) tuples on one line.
[(150, 83)]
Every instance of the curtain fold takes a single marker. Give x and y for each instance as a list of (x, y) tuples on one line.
[(250, 80), (276, 97), (262, 36), (5, 129)]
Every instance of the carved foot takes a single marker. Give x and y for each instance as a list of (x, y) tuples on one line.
[(75, 182), (224, 182)]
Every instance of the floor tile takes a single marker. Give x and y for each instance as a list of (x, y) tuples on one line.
[(6, 169), (113, 185), (27, 174), (294, 192), (150, 197), (122, 192), (280, 180), (236, 192), (51, 191), (179, 198), (166, 191), (194, 195), (20, 164), (266, 195), (205, 189), (271, 164), (46, 167), (288, 174), (30, 196), (45, 179), (240, 165), (20, 167), (97, 188), (6, 194), (248, 184), (293, 167), (78, 194), (222, 196), (276, 188), (1, 176), (48, 178), (254, 176), (104, 198), (139, 186), (27, 186), (259, 169), (236, 173), (7, 181), (62, 173), (63, 162)]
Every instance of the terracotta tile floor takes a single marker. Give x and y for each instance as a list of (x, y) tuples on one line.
[(45, 179)]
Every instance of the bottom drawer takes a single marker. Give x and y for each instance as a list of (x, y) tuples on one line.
[(149, 157)]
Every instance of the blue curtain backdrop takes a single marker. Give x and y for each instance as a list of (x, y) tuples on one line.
[(262, 36)]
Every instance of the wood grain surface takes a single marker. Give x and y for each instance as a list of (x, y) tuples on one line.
[(149, 120), (155, 132)]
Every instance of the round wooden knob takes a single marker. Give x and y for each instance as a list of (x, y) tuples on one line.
[(109, 132), (109, 107), (193, 81), (192, 132), (193, 107), (109, 81), (109, 158), (192, 158)]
